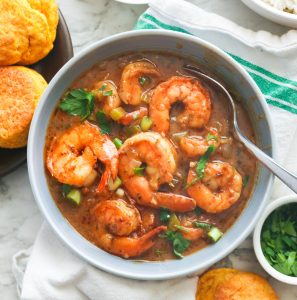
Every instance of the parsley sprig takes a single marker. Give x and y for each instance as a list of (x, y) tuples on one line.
[(78, 102)]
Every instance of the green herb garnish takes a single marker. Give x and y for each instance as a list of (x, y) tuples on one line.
[(118, 143), (246, 180), (213, 232), (139, 171), (164, 215), (211, 137), (103, 87), (143, 80), (78, 103), (66, 188), (179, 243), (203, 160), (103, 122), (279, 239), (107, 93)]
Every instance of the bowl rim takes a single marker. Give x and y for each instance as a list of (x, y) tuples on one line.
[(257, 239), (134, 1), (164, 274), (270, 10)]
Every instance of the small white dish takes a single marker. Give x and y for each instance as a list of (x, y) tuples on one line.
[(257, 240), (134, 1), (271, 13)]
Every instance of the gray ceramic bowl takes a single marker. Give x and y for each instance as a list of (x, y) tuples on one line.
[(217, 62)]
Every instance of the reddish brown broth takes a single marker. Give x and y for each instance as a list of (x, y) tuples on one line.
[(81, 218)]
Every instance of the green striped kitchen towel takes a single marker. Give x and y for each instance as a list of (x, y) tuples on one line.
[(270, 60)]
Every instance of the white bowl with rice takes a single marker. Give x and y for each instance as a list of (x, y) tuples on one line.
[(283, 12)]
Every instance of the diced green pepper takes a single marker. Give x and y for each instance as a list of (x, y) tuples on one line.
[(139, 171), (131, 130)]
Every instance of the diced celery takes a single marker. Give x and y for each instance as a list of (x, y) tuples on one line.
[(146, 123), (75, 196), (118, 143), (117, 113), (113, 185), (215, 234)]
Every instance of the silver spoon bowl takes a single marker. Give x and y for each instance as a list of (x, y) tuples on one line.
[(285, 176)]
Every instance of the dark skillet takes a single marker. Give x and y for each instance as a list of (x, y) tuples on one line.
[(10, 159)]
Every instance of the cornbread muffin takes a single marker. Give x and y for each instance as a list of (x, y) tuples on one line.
[(230, 284), (20, 90), (26, 34)]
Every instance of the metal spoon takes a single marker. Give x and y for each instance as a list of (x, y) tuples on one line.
[(286, 177)]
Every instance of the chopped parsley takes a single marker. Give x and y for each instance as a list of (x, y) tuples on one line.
[(78, 102), (164, 215), (200, 169), (143, 80), (104, 125), (279, 239)]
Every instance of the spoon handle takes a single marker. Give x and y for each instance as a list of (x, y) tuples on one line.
[(288, 178)]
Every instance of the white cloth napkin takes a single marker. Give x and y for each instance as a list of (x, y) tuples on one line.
[(53, 272)]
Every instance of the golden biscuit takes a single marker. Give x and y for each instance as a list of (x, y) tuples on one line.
[(20, 90), (13, 32), (230, 284), (209, 281), (49, 9), (26, 34)]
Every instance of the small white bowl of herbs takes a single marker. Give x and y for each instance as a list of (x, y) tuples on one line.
[(275, 239)]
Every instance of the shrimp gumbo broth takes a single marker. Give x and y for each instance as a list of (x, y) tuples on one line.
[(141, 158)]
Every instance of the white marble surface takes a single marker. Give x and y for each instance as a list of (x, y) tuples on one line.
[(88, 21)]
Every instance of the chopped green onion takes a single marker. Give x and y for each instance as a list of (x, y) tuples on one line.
[(117, 113), (203, 160), (164, 215), (120, 192), (103, 87), (139, 171), (107, 93), (215, 234), (146, 123), (143, 80), (211, 137), (203, 225), (113, 185), (118, 143), (131, 130), (173, 222), (75, 196)]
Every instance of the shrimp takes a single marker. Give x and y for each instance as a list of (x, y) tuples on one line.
[(159, 156), (72, 156), (218, 190), (117, 220), (130, 117), (106, 92), (196, 100), (130, 85), (197, 145)]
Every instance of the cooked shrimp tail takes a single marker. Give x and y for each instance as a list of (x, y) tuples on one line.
[(116, 221), (173, 202), (72, 157), (130, 247), (191, 233), (130, 117)]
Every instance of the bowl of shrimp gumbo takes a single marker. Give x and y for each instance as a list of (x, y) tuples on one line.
[(141, 160)]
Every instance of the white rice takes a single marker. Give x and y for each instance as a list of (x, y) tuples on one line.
[(284, 5)]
